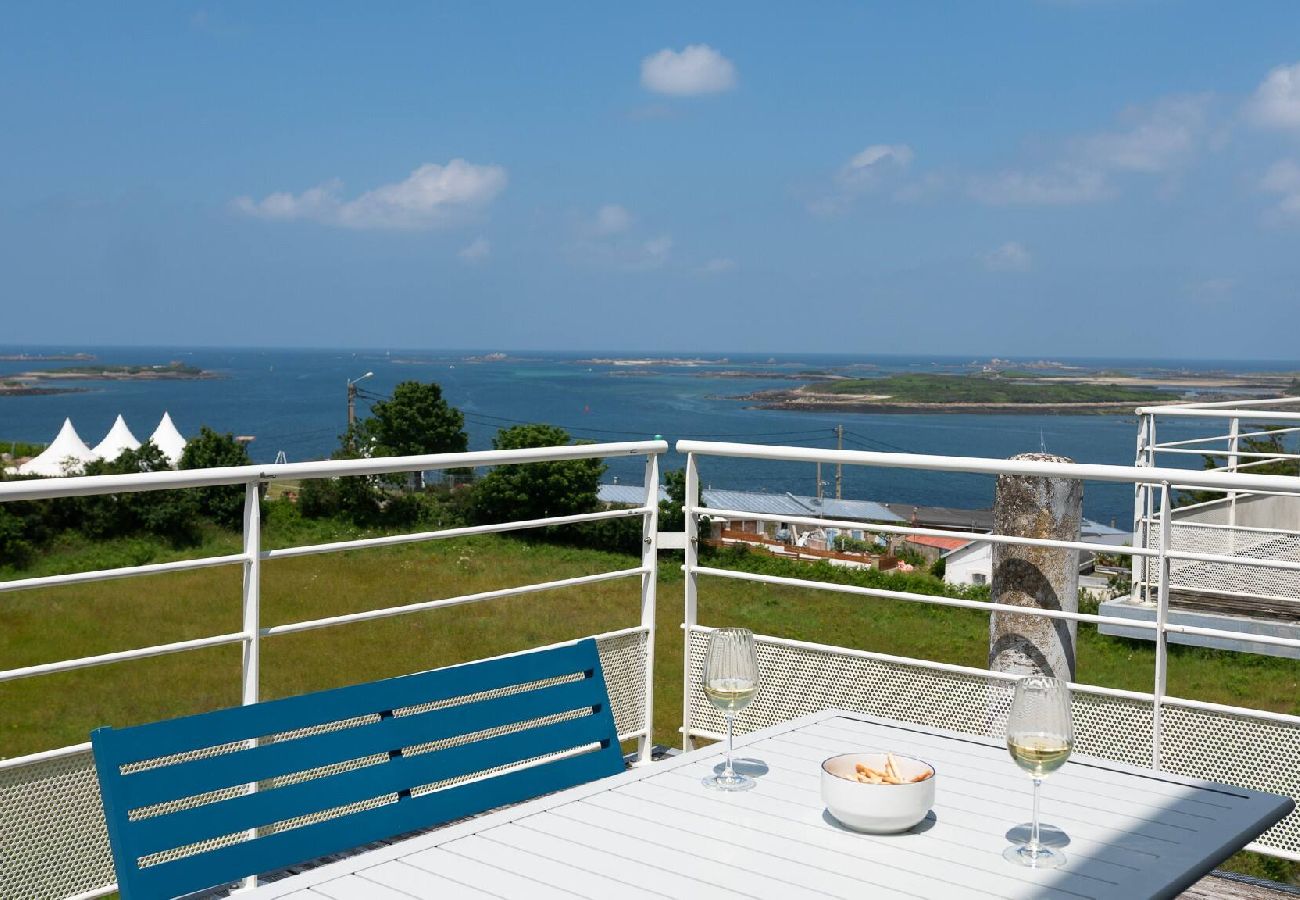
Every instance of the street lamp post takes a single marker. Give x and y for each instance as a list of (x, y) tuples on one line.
[(352, 397)]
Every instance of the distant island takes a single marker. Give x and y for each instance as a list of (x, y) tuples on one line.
[(37, 381), (1008, 391), (645, 361), (46, 357)]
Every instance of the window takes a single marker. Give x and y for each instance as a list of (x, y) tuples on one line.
[(979, 578)]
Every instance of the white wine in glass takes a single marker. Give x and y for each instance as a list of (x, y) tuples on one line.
[(1040, 735), (730, 682)]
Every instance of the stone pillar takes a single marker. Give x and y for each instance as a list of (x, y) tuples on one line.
[(1042, 577)]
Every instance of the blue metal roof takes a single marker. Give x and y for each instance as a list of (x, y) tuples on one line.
[(787, 504), (626, 494)]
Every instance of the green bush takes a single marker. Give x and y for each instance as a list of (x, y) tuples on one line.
[(746, 559)]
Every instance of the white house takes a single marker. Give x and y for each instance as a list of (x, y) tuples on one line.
[(972, 563)]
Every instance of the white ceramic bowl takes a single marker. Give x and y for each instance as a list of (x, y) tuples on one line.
[(876, 808)]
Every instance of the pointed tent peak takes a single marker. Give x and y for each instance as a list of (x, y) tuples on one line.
[(66, 431), (66, 455), (118, 439), (167, 439)]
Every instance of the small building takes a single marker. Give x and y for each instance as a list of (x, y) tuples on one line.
[(931, 547), (972, 563)]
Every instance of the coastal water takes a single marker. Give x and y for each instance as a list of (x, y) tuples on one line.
[(295, 401)]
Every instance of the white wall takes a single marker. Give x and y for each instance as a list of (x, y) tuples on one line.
[(963, 565)]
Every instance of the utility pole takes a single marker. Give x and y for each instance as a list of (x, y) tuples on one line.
[(839, 467), (352, 397)]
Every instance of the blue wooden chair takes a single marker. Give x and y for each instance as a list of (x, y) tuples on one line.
[(368, 740)]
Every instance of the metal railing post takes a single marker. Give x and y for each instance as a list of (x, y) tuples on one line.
[(1234, 444), (649, 583), (689, 618), (252, 592), (252, 667), (1138, 566), (1162, 633)]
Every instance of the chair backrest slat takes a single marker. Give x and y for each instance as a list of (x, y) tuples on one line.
[(286, 757), (242, 723), (546, 726)]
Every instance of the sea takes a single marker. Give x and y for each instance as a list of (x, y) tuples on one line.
[(294, 401)]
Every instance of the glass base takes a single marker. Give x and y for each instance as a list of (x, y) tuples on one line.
[(1044, 858), (729, 783), (1048, 835)]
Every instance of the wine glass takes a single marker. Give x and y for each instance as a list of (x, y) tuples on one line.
[(730, 683), (1039, 736)]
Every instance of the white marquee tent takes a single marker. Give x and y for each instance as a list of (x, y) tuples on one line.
[(65, 455), (167, 439), (118, 439)]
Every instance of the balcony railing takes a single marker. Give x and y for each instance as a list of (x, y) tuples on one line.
[(1254, 523), (1253, 747), (51, 823)]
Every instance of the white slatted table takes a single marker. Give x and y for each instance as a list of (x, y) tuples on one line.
[(656, 831)]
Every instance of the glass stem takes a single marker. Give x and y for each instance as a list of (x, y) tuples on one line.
[(729, 773), (1034, 846)]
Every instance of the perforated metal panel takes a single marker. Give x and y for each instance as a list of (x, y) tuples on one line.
[(1237, 578), (623, 660), (1240, 750), (52, 838), (1244, 750)]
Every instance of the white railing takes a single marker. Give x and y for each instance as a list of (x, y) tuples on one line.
[(1151, 728), (1243, 419), (74, 873)]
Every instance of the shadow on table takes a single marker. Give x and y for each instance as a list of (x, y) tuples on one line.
[(754, 768), (1166, 844), (921, 827), (1048, 835)]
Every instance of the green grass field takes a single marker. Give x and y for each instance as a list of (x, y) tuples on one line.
[(50, 624)]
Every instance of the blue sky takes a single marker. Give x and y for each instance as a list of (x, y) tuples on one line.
[(1101, 178)]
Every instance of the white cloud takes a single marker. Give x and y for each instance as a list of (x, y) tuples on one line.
[(432, 195), (1213, 290), (1010, 257), (476, 252), (718, 265), (612, 219), (698, 69), (657, 249), (900, 154), (1283, 179), (1158, 139), (864, 172), (1061, 186), (1276, 102)]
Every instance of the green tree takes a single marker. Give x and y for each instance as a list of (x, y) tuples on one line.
[(210, 449), (414, 421), (672, 516), (535, 490), (418, 420)]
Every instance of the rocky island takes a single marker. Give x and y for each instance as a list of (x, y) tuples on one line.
[(38, 381), (1003, 392)]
